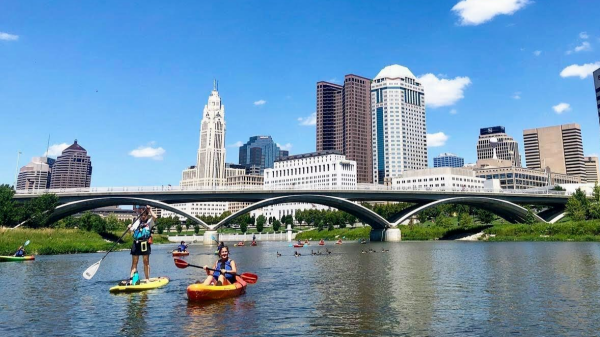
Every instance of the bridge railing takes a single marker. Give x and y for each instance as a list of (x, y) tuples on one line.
[(358, 187)]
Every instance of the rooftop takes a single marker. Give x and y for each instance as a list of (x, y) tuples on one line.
[(395, 71), (309, 155)]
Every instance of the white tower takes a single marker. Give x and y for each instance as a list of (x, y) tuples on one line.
[(210, 161)]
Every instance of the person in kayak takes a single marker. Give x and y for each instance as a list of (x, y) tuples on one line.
[(221, 245), (141, 246), (182, 247), (20, 252), (224, 270)]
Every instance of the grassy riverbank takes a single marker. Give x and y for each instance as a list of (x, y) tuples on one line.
[(345, 233), (563, 231), (62, 241)]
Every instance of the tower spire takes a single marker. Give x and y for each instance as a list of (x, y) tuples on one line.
[(215, 84)]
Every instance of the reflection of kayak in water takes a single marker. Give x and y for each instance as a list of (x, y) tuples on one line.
[(153, 283), (185, 253), (253, 243), (200, 292)]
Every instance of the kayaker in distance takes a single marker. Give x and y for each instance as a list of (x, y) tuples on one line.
[(140, 245), (221, 245), (224, 270), (182, 247), (20, 252)]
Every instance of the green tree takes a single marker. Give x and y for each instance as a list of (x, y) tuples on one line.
[(596, 192), (464, 220), (557, 188), (594, 211), (179, 228), (39, 210), (575, 209), (244, 227), (8, 214), (422, 217), (112, 222), (187, 225), (484, 216), (320, 225), (92, 222), (530, 217), (276, 225), (260, 223), (196, 229), (443, 221), (160, 228)]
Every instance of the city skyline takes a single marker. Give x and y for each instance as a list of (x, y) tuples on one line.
[(137, 111)]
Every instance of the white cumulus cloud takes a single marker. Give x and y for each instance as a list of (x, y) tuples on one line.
[(236, 144), (155, 153), (453, 111), (436, 139), (585, 46), (8, 37), (561, 107), (441, 91), (56, 149), (582, 71), (310, 120), (584, 35), (286, 147), (537, 53), (476, 12), (260, 102)]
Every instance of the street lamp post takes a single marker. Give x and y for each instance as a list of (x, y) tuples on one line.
[(17, 169)]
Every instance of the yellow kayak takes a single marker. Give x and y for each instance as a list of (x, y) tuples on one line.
[(153, 283)]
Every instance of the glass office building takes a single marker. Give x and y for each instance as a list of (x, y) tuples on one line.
[(448, 160)]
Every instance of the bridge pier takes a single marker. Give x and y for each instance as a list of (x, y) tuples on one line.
[(208, 238), (388, 235)]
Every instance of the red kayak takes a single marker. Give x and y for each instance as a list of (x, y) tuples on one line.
[(322, 243), (253, 243), (298, 246), (200, 292)]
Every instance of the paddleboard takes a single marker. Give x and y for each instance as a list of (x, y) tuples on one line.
[(153, 283)]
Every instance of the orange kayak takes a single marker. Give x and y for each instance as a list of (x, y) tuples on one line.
[(200, 292), (181, 253)]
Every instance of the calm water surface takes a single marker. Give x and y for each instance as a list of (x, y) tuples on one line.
[(415, 289)]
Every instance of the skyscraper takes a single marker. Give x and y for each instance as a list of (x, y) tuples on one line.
[(259, 151), (592, 172), (35, 175), (558, 147), (344, 122), (210, 167), (72, 169), (399, 133), (597, 86), (495, 137), (448, 160)]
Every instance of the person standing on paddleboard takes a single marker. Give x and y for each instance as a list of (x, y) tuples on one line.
[(225, 270), (141, 245)]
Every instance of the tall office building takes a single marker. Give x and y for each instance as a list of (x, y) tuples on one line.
[(344, 122), (597, 86), (558, 147), (261, 152), (35, 175), (448, 160), (210, 161), (72, 169), (399, 133), (592, 172), (495, 137)]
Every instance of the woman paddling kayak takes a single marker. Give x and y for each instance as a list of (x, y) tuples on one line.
[(224, 270), (20, 252)]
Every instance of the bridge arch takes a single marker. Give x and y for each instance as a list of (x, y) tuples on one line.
[(364, 214), (74, 207), (505, 209)]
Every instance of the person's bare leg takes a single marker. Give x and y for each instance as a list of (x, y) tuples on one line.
[(134, 263), (208, 280), (147, 266)]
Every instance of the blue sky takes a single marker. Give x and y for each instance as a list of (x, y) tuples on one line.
[(126, 75)]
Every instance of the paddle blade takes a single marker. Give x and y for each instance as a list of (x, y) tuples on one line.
[(180, 263), (26, 243), (249, 278), (91, 271)]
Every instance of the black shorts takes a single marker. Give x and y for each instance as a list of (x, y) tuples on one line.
[(140, 248)]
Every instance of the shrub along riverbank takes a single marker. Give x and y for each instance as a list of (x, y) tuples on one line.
[(340, 233), (62, 241)]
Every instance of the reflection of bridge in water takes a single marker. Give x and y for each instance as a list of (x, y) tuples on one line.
[(504, 203)]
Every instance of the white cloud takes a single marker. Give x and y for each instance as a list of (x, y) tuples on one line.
[(310, 120), (476, 12), (537, 53), (443, 92), (436, 139), (286, 147), (8, 37), (236, 144), (585, 46), (155, 153), (582, 71), (453, 112), (584, 35), (517, 95), (561, 107), (56, 149), (260, 102)]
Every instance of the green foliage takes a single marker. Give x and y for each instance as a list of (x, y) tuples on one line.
[(443, 221), (530, 217), (348, 233), (558, 188), (38, 210), (422, 216), (112, 223), (575, 209), (92, 222), (196, 229), (464, 220), (330, 226), (485, 216), (276, 225), (244, 227), (320, 225), (594, 211), (387, 210), (563, 231), (8, 212), (260, 223), (178, 228)]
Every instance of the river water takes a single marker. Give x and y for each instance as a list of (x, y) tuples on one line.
[(415, 289)]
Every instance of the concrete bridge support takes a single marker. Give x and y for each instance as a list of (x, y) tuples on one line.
[(391, 234), (211, 238)]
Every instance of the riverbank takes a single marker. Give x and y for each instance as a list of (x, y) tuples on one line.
[(50, 241), (339, 233), (563, 231)]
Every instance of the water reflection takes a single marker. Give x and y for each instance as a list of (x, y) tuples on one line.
[(135, 322)]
